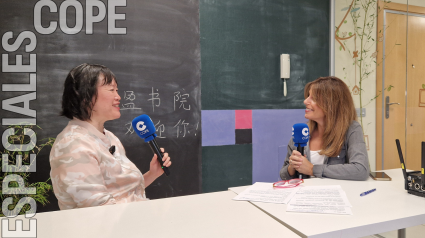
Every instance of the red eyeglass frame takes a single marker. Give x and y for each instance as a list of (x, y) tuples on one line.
[(287, 184)]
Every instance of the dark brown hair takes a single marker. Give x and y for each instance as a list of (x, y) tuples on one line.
[(333, 96), (80, 89)]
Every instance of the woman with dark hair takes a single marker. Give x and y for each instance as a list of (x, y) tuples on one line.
[(336, 147), (88, 163)]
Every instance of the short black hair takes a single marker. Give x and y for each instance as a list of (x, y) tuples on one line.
[(81, 87)]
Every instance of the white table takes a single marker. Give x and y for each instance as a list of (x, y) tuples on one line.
[(202, 215), (389, 208)]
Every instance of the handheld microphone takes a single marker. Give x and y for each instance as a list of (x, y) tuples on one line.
[(300, 136), (144, 127)]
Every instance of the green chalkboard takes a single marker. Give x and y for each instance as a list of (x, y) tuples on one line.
[(226, 166), (241, 43), (156, 64)]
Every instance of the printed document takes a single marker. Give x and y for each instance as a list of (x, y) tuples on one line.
[(320, 199), (265, 192), (332, 195)]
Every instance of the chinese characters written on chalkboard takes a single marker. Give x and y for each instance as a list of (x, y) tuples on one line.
[(180, 128)]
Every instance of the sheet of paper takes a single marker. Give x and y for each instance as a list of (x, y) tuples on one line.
[(264, 192), (332, 195), (320, 209)]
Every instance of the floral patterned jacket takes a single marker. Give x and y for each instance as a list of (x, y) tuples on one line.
[(85, 173)]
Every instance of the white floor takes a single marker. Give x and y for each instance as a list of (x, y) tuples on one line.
[(411, 232)]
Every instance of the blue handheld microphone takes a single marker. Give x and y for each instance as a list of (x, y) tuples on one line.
[(145, 128), (300, 136)]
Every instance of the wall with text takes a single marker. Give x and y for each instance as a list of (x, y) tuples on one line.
[(161, 51), (153, 48)]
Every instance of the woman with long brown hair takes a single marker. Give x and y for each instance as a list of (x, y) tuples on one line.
[(336, 148)]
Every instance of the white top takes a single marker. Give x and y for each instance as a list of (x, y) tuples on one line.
[(316, 158)]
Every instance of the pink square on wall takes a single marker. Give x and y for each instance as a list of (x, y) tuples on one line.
[(243, 119)]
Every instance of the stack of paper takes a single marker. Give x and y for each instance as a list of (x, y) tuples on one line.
[(320, 199), (265, 192), (313, 199)]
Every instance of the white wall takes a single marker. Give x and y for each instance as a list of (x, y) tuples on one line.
[(348, 72), (345, 69)]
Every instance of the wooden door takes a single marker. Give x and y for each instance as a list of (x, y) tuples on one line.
[(394, 72), (401, 64), (415, 131)]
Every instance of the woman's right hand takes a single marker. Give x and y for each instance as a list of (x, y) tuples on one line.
[(295, 161)]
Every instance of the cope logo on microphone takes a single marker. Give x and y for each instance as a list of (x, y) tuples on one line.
[(304, 131), (141, 123)]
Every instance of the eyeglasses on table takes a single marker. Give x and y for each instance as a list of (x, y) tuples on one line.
[(288, 183)]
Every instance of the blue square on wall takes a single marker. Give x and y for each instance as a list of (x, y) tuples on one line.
[(218, 127)]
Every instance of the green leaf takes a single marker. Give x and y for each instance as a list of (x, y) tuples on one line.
[(423, 86), (340, 47), (350, 33), (345, 21)]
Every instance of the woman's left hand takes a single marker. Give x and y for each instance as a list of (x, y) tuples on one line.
[(306, 167), (155, 166)]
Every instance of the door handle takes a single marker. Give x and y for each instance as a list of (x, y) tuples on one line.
[(387, 106)]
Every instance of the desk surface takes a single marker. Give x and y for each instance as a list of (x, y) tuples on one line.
[(389, 208), (202, 215)]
